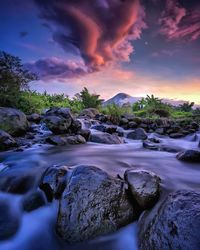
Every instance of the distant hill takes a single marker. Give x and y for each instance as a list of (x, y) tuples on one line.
[(123, 98)]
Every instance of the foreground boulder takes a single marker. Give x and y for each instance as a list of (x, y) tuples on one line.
[(189, 156), (13, 121), (6, 141), (176, 224), (105, 138), (58, 125), (137, 134), (93, 204), (144, 186)]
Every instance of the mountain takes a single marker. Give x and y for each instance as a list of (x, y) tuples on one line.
[(121, 99)]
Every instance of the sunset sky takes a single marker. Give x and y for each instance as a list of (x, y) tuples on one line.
[(109, 46)]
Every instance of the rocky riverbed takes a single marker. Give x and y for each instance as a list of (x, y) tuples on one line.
[(91, 182)]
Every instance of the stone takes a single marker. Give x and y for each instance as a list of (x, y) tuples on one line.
[(176, 135), (58, 124), (13, 121), (175, 225), (137, 134), (189, 156), (6, 141), (132, 125), (144, 186), (36, 118), (105, 138), (85, 133), (60, 140), (89, 112), (93, 204), (33, 200)]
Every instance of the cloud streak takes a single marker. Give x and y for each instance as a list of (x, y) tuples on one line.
[(101, 31), (179, 23)]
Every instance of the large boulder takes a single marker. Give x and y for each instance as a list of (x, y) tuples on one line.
[(105, 138), (13, 121), (189, 156), (144, 186), (6, 141), (89, 112), (93, 204), (175, 225), (66, 140), (137, 134), (58, 124)]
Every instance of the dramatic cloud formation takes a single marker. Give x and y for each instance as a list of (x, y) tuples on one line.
[(56, 68), (101, 31), (177, 22)]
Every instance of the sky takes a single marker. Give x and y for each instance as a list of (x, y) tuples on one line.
[(110, 46)]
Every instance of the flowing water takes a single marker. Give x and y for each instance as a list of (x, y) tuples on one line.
[(37, 227)]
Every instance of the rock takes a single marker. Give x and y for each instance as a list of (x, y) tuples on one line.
[(13, 121), (150, 145), (33, 201), (132, 125), (9, 220), (189, 156), (85, 133), (89, 112), (160, 131), (195, 125), (105, 138), (93, 204), (176, 135), (36, 118), (154, 140), (65, 140), (144, 186), (53, 182), (137, 134), (61, 112), (123, 121), (175, 225), (99, 127), (57, 124), (75, 126), (6, 141), (111, 129)]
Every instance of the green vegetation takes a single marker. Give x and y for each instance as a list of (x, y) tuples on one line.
[(15, 92)]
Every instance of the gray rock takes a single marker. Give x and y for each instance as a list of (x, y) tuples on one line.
[(13, 121), (53, 182), (6, 141), (144, 186), (90, 112), (62, 112), (160, 131), (175, 225), (137, 134), (66, 140), (33, 200), (105, 138), (85, 133), (132, 125), (36, 118), (176, 135), (93, 204), (58, 124), (189, 156), (99, 127), (9, 220)]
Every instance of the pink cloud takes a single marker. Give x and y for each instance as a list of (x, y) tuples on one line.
[(178, 23)]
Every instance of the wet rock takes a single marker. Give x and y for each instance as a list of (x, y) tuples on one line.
[(90, 112), (154, 140), (175, 225), (75, 126), (60, 140), (189, 156), (111, 129), (33, 200), (36, 118), (93, 204), (9, 220), (13, 121), (85, 133), (105, 138), (99, 127), (176, 135), (61, 112), (6, 141), (137, 134), (144, 186), (132, 124), (57, 124), (123, 121), (53, 182), (150, 145), (160, 131)]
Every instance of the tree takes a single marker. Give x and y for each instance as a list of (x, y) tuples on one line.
[(13, 78), (186, 107), (89, 100)]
